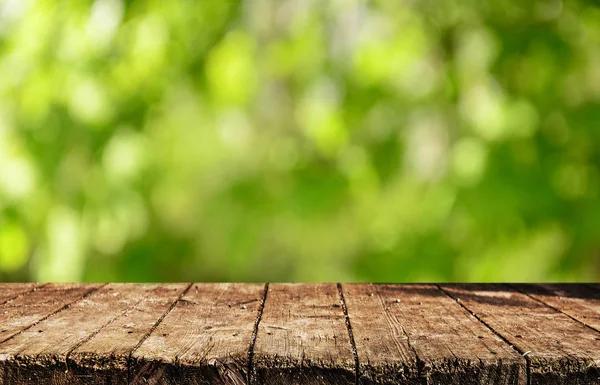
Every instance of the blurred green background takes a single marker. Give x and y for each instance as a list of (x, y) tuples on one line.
[(299, 140)]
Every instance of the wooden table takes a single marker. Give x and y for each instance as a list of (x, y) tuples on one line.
[(299, 334)]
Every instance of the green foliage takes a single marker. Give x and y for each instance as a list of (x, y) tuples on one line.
[(299, 140)]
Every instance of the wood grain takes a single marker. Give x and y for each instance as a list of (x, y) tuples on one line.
[(559, 350), (203, 340), (414, 334), (302, 337)]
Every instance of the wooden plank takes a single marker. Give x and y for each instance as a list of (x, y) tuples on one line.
[(384, 352), (203, 340), (580, 302), (302, 337), (559, 350), (105, 357), (414, 334), (26, 310), (41, 354), (10, 291)]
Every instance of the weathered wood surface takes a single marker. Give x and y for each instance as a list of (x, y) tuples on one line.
[(415, 333), (299, 334), (580, 302), (558, 349), (104, 357)]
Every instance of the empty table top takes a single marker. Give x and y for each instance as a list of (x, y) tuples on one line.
[(233, 333)]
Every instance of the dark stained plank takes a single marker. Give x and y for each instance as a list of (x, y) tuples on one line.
[(580, 302), (302, 337), (203, 340), (9, 291), (26, 310), (41, 354), (414, 334), (559, 349)]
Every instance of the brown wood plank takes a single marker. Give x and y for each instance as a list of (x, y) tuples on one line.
[(414, 334), (203, 340), (559, 350), (9, 291), (302, 337), (105, 357), (41, 354), (580, 302), (384, 352), (26, 310)]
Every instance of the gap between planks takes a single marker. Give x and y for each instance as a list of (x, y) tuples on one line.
[(350, 334), (503, 338), (251, 377)]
